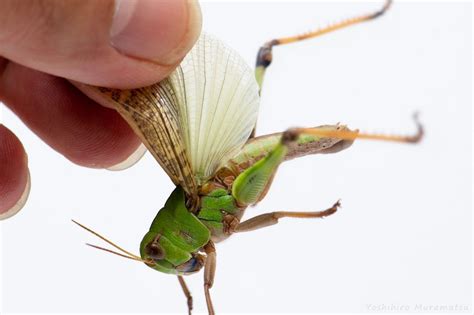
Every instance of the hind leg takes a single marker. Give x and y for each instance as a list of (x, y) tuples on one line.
[(264, 55)]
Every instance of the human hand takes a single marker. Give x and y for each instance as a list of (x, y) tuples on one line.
[(45, 43)]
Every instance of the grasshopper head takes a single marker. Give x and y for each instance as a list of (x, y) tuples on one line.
[(162, 255), (167, 255)]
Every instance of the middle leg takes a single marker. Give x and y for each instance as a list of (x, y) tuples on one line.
[(271, 218)]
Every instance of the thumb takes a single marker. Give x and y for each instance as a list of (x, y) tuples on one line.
[(120, 44)]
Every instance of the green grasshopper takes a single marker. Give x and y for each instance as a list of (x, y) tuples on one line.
[(199, 124)]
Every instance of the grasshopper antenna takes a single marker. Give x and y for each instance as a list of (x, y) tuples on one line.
[(126, 254), (119, 254)]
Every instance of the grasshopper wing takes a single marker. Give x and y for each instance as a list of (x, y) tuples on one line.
[(153, 115), (218, 100), (195, 120)]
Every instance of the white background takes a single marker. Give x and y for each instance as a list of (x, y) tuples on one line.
[(403, 236)]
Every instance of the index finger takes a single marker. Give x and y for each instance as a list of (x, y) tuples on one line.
[(120, 44)]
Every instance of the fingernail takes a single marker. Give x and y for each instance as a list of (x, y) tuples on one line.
[(130, 161), (161, 31), (21, 202)]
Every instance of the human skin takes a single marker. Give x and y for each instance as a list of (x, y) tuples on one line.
[(45, 44)]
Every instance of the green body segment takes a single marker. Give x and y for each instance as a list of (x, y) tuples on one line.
[(262, 146), (215, 204), (214, 207), (249, 186), (259, 75), (180, 232)]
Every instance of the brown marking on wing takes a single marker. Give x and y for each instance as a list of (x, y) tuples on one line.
[(152, 112)]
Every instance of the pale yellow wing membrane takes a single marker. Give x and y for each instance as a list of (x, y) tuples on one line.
[(218, 99)]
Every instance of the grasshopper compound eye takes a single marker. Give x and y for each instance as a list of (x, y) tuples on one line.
[(154, 250)]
